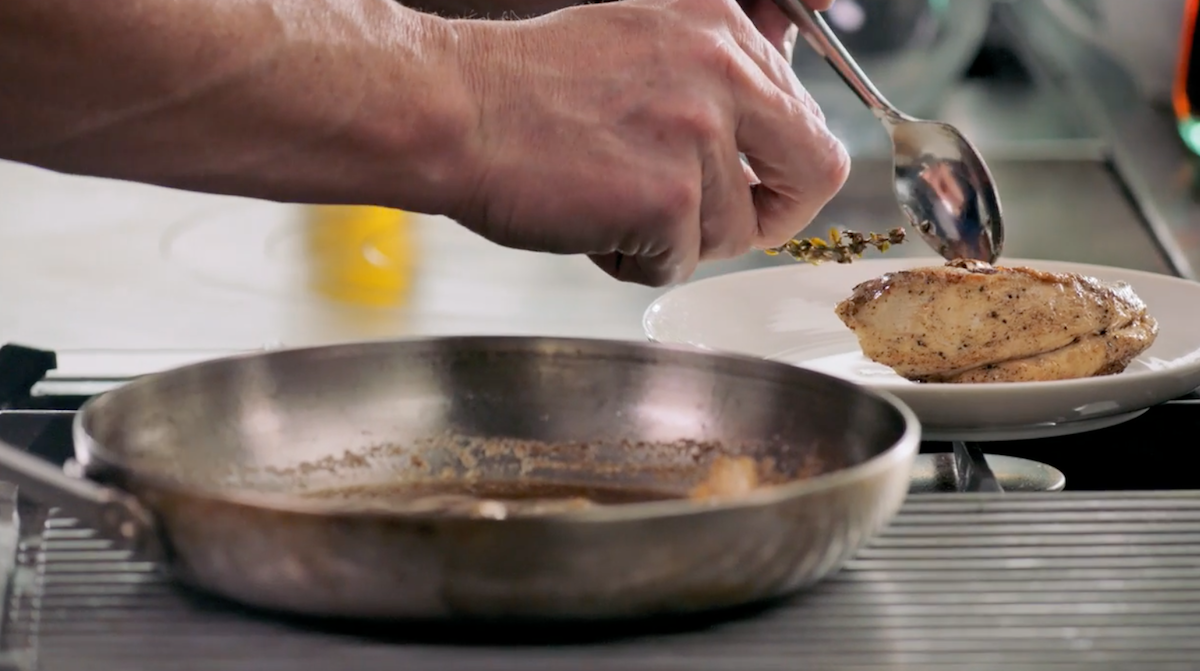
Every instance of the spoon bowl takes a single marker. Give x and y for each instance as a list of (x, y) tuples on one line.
[(945, 190), (942, 184)]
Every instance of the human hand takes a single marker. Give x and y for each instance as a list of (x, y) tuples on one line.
[(775, 25), (488, 9), (614, 130)]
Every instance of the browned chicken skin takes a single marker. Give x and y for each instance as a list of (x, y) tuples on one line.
[(969, 321)]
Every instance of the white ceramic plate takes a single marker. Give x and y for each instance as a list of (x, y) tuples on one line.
[(786, 313)]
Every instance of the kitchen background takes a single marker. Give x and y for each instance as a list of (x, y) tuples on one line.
[(1083, 112), (1070, 101)]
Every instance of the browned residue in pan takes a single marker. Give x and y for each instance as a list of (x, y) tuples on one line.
[(501, 477), (725, 478), (471, 453)]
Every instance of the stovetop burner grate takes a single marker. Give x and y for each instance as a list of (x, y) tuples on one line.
[(979, 581)]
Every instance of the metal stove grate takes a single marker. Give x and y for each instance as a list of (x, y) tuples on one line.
[(963, 581)]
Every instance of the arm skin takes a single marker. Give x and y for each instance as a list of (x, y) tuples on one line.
[(489, 9), (526, 8), (770, 20), (315, 101)]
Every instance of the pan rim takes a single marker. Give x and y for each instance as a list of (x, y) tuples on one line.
[(91, 453)]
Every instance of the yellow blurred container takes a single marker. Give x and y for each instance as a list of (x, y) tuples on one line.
[(361, 255)]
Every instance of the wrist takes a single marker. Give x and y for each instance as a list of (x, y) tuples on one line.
[(490, 69), (488, 9), (416, 120)]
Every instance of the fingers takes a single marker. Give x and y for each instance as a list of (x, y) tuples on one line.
[(668, 250), (781, 130), (793, 166), (728, 219), (728, 226), (651, 271), (751, 178), (773, 25), (800, 165), (769, 37)]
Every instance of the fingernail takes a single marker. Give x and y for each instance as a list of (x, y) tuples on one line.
[(789, 42), (843, 158), (841, 152)]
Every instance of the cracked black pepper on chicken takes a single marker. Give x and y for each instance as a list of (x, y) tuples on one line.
[(968, 321)]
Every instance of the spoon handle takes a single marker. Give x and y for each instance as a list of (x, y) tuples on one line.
[(820, 37)]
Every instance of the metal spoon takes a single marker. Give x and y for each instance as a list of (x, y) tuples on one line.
[(942, 184)]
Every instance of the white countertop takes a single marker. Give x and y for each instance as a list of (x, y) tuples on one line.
[(89, 265)]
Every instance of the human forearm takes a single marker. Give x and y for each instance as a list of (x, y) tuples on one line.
[(489, 9), (496, 9), (337, 101)]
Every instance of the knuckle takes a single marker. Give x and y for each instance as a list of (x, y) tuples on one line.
[(675, 202), (701, 121), (718, 56)]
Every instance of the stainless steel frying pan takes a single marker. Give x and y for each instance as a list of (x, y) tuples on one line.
[(224, 470)]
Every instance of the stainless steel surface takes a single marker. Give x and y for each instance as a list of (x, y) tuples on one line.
[(10, 527), (938, 472), (226, 455), (112, 512), (822, 39), (12, 656), (1144, 37), (946, 191), (941, 181), (1059, 582), (972, 469), (1140, 137), (915, 51)]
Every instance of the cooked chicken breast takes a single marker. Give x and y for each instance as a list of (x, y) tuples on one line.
[(969, 321)]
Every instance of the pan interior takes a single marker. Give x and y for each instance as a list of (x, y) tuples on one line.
[(617, 422)]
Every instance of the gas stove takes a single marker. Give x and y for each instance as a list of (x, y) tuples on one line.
[(986, 566)]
